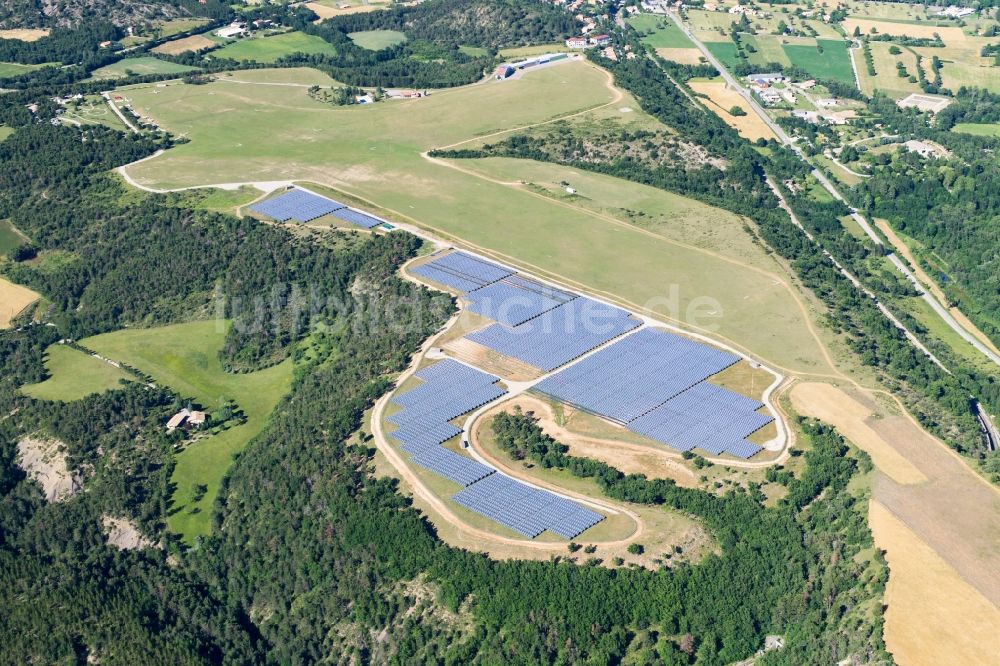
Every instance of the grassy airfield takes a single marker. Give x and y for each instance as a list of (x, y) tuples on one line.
[(254, 132)]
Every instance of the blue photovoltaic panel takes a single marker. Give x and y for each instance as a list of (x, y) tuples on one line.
[(705, 416), (636, 374), (559, 335), (514, 300), (526, 510), (462, 271), (296, 204), (447, 463), (357, 217)]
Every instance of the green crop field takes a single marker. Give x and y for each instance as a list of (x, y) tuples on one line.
[(269, 49), (140, 65), (185, 358), (979, 129), (374, 154), (376, 40), (833, 63), (659, 32), (725, 52), (74, 375), (768, 49)]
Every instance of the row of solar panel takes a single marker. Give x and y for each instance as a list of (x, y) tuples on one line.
[(636, 374), (526, 510), (303, 206), (515, 300), (560, 335), (462, 271), (448, 386)]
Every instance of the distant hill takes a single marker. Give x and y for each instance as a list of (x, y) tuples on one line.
[(68, 13)]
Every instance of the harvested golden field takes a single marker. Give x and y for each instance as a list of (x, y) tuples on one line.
[(832, 405), (949, 35), (325, 10), (683, 56), (14, 299), (933, 616), (721, 99), (24, 34), (192, 43)]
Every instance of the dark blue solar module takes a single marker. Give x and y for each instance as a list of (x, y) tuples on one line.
[(357, 217), (451, 465), (559, 335), (636, 374), (296, 204), (462, 271), (514, 300), (707, 417), (526, 510)]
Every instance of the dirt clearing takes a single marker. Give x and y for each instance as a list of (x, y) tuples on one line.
[(43, 461), (721, 99), (832, 405), (123, 534), (933, 616), (14, 299), (683, 56)]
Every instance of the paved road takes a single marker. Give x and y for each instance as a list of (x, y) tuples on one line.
[(938, 308)]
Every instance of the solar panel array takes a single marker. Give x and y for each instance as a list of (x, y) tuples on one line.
[(296, 204), (462, 271), (526, 510), (653, 383), (357, 217), (449, 389), (705, 416), (515, 299), (558, 336), (627, 379)]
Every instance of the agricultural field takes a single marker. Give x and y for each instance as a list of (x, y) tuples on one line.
[(5, 132), (140, 65), (185, 358), (325, 9), (886, 77), (188, 44), (14, 299), (376, 40), (269, 48), (24, 34), (827, 60), (74, 374), (300, 139), (659, 32), (979, 129), (720, 99)]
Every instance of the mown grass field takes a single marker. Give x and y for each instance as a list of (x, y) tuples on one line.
[(979, 129), (16, 69), (268, 49), (832, 63), (886, 78), (74, 375), (185, 358), (140, 65), (659, 32), (5, 132), (376, 40), (374, 154)]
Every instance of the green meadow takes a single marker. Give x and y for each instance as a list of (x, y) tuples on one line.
[(270, 48), (185, 357), (73, 375)]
